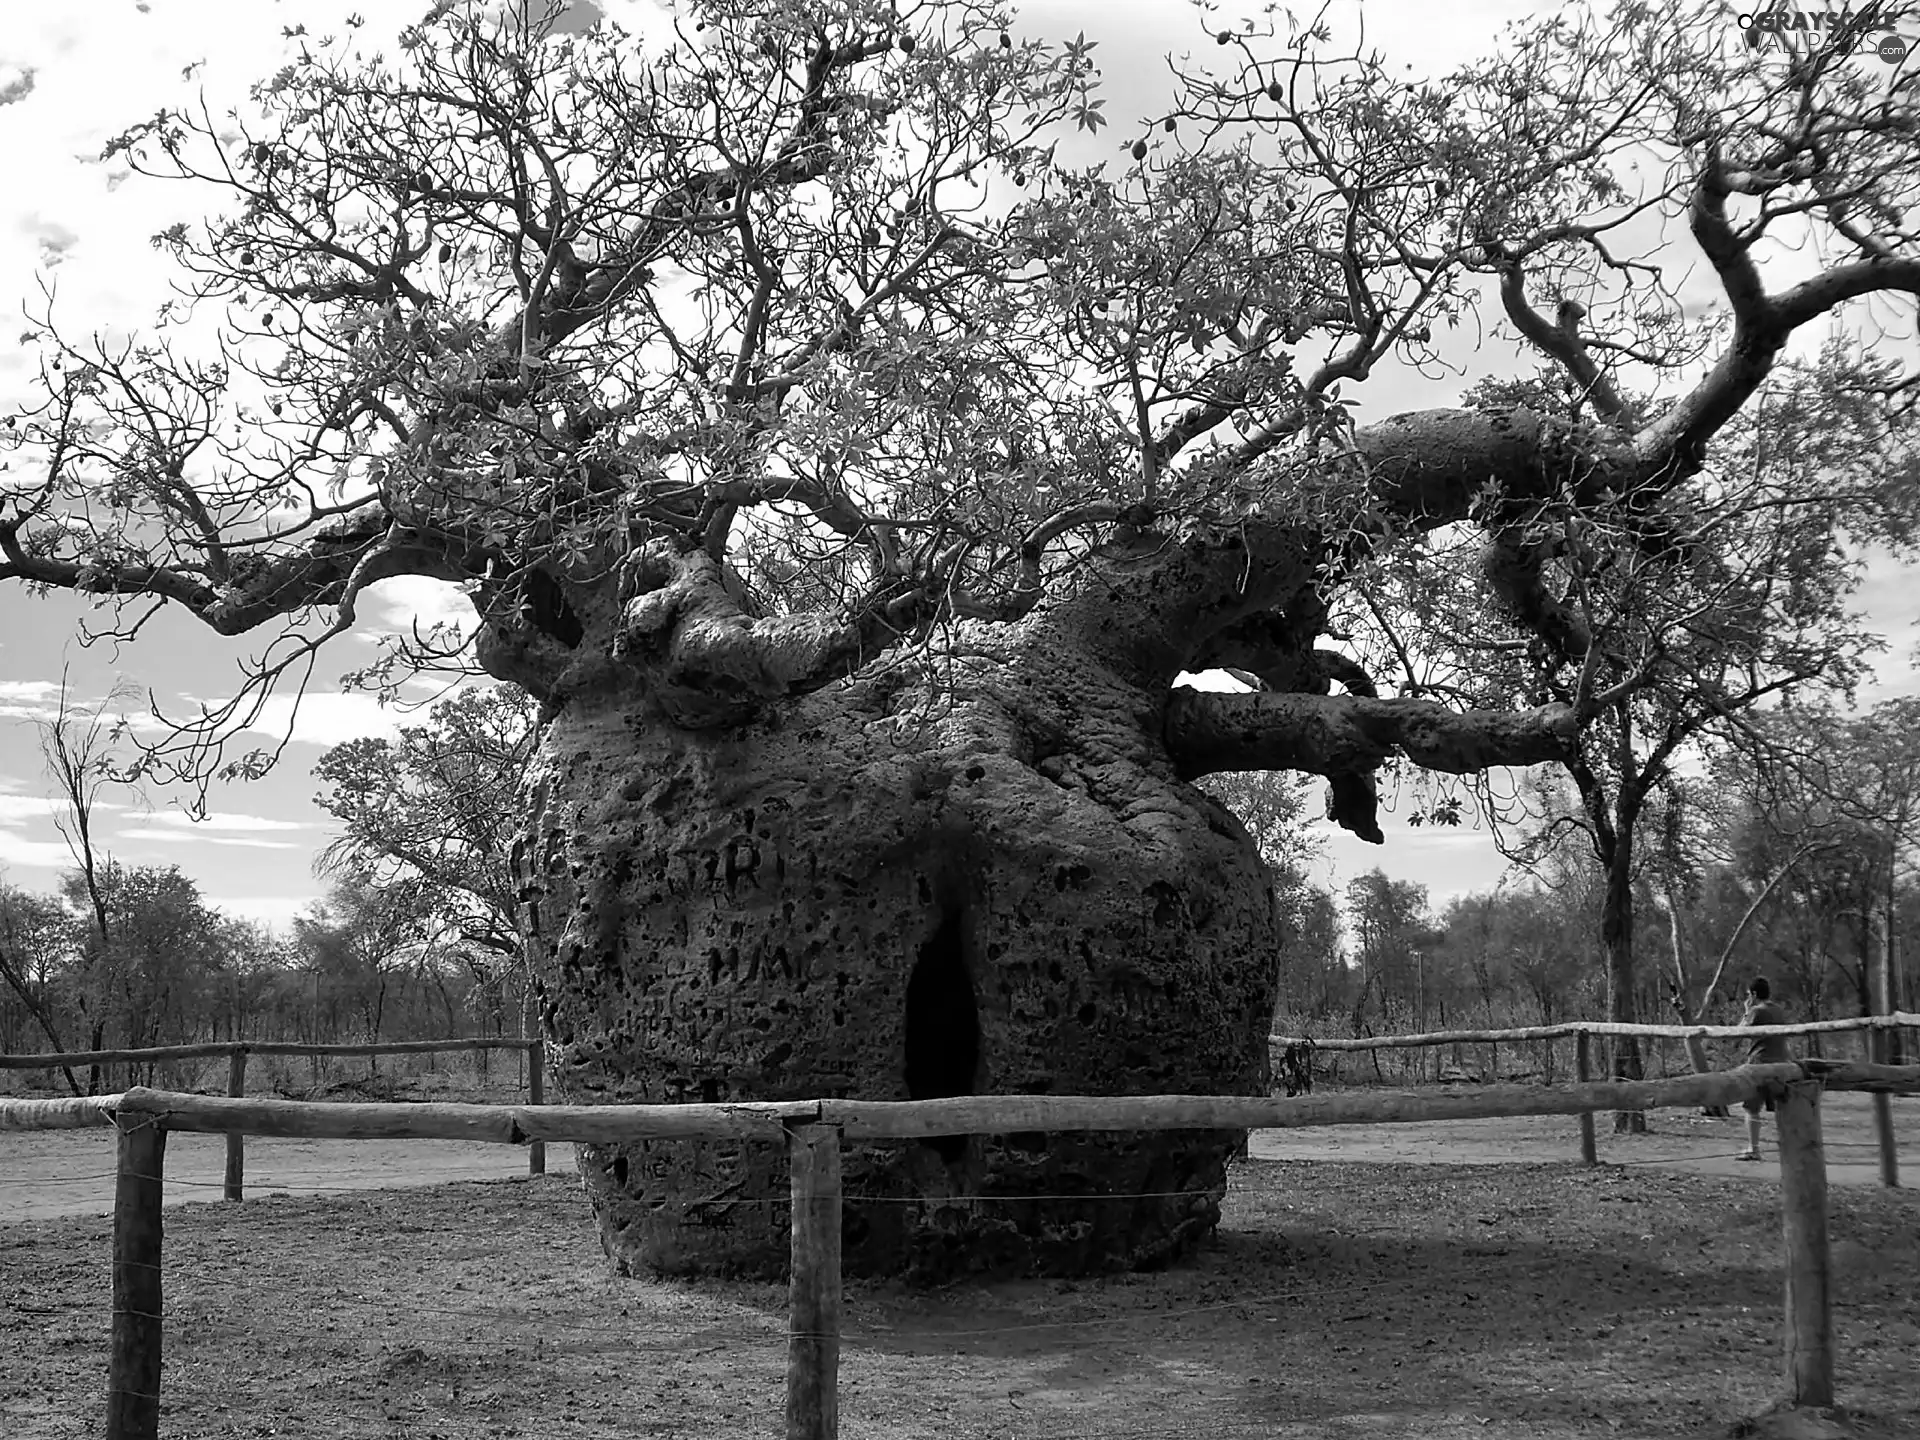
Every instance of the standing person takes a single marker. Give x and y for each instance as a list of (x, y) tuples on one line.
[(1762, 1050)]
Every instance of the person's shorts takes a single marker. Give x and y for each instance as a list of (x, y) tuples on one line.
[(1756, 1105)]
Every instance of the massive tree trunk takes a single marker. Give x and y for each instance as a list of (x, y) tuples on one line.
[(984, 877), (769, 858)]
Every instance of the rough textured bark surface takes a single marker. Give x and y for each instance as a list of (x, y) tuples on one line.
[(894, 888)]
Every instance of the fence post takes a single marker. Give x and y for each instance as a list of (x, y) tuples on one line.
[(537, 1095), (1803, 1221), (813, 1298), (236, 1142), (133, 1370), (1583, 1071), (1879, 1048)]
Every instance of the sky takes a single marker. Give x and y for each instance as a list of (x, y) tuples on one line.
[(72, 76)]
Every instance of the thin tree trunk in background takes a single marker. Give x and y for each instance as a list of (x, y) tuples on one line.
[(73, 763), (1881, 1048), (1583, 1071), (374, 1018), (1683, 1006), (1892, 991), (18, 985), (1616, 930)]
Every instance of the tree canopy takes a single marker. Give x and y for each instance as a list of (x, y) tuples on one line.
[(721, 362), (433, 808)]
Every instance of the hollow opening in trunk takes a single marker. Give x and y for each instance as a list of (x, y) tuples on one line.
[(943, 1027)]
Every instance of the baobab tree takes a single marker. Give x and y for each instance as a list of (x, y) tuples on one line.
[(850, 473)]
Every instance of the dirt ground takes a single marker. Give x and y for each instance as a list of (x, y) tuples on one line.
[(70, 1172), (1675, 1140), (1344, 1297)]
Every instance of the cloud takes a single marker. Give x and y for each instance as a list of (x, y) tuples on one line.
[(29, 689), (15, 807), (39, 700), (404, 601), (275, 910), (173, 836), (325, 718), (16, 849), (29, 699), (180, 820), (16, 83), (53, 238), (577, 18)]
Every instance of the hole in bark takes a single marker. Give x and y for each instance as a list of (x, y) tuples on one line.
[(619, 1168), (943, 1028), (547, 610), (1085, 1013)]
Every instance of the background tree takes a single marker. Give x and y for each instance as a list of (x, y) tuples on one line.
[(154, 976), (369, 943), (1276, 811), (435, 807), (36, 937), (1739, 600), (1392, 934), (1855, 782), (851, 521), (1315, 984), (75, 748)]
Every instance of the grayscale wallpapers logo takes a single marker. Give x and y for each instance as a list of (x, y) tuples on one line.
[(1795, 30)]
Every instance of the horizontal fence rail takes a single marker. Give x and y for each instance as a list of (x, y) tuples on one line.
[(1899, 1020), (919, 1119), (813, 1131), (213, 1049), (236, 1053)]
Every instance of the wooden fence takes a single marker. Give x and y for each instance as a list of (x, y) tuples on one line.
[(237, 1052), (814, 1129), (1581, 1032)]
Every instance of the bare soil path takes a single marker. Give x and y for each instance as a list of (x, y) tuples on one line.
[(1675, 1140), (70, 1172)]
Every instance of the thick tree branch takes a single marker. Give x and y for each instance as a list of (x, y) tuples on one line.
[(709, 662), (1811, 299), (1675, 443), (1560, 341), (353, 551), (1207, 732)]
